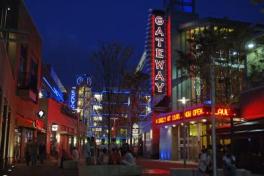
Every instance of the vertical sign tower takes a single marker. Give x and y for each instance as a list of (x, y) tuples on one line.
[(159, 54)]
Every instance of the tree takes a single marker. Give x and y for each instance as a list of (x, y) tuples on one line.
[(111, 63), (217, 50), (135, 81), (223, 43), (256, 67)]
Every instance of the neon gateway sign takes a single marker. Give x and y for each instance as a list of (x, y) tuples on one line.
[(159, 53)]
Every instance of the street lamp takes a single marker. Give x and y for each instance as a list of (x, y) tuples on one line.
[(250, 45), (184, 101)]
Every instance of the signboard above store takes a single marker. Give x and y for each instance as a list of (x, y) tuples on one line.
[(193, 114)]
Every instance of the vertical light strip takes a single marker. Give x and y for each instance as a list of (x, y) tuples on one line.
[(169, 57), (153, 53)]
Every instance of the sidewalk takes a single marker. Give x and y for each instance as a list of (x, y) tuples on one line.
[(49, 168)]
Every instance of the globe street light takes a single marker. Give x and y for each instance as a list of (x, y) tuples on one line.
[(250, 45), (184, 101)]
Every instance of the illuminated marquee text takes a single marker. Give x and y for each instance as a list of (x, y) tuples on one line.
[(159, 54)]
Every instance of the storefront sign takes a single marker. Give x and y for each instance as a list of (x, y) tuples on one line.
[(192, 114), (54, 127), (73, 98)]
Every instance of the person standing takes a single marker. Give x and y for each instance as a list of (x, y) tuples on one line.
[(27, 152), (229, 166), (203, 162), (103, 145), (113, 145), (17, 152), (115, 156), (33, 153), (127, 158), (104, 157), (63, 157), (42, 152), (75, 154), (87, 151), (93, 151)]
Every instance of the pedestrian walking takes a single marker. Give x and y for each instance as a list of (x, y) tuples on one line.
[(229, 166)]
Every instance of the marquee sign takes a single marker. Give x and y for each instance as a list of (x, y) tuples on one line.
[(192, 114)]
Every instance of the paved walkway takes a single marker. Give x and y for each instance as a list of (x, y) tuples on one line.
[(49, 168)]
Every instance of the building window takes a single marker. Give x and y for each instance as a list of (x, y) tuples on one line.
[(22, 66), (33, 82)]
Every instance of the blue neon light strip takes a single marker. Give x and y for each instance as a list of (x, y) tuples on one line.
[(58, 94)]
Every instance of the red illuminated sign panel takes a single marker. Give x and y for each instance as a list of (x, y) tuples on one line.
[(222, 112), (192, 114), (159, 62), (168, 118)]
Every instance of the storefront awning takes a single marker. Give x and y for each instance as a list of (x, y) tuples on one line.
[(30, 123)]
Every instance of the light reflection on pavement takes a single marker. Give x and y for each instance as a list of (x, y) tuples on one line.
[(148, 172)]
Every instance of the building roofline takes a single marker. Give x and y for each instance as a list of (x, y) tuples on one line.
[(211, 21)]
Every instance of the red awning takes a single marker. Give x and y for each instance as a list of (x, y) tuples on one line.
[(29, 123), (24, 122)]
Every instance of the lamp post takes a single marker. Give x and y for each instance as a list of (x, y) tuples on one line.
[(212, 72), (184, 101)]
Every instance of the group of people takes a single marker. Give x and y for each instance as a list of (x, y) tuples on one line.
[(34, 151), (205, 164), (104, 154)]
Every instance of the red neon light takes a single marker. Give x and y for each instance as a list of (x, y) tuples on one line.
[(153, 53), (188, 114), (192, 114), (168, 118), (169, 57), (176, 117), (222, 112)]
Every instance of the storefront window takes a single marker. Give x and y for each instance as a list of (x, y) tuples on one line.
[(193, 130), (81, 90)]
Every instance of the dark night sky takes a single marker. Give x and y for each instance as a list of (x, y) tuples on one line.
[(70, 29)]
